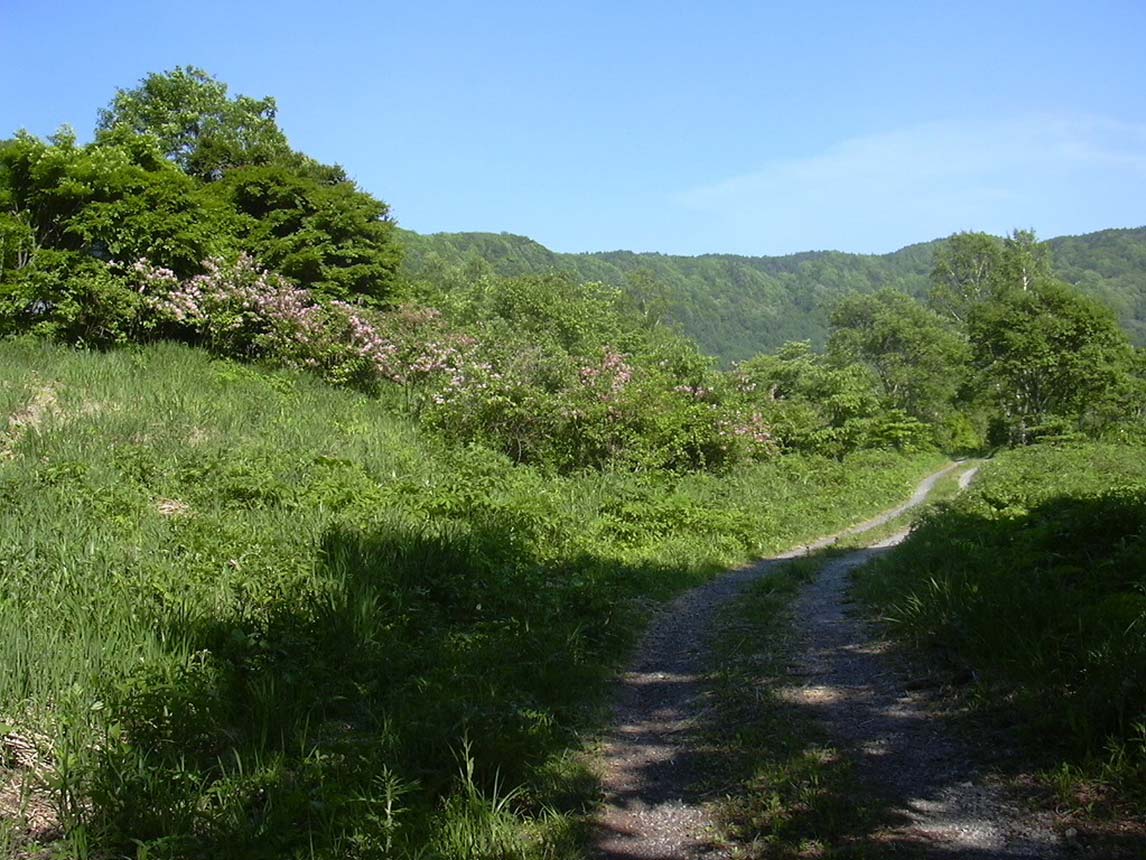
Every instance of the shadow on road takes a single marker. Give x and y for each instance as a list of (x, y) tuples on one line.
[(825, 754)]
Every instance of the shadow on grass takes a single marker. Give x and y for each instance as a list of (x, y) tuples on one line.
[(1044, 608), (417, 663), (795, 775), (336, 721)]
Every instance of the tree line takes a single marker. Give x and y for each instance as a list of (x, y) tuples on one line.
[(190, 217), (737, 306)]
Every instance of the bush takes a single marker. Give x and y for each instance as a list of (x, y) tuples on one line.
[(1035, 580)]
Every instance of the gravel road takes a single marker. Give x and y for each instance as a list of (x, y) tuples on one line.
[(842, 673)]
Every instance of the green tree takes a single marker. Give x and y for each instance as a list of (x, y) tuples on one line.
[(198, 126), (1025, 261), (67, 211), (966, 270), (1050, 358), (919, 359), (112, 200), (309, 222)]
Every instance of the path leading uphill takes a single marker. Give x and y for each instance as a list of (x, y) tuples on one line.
[(650, 760)]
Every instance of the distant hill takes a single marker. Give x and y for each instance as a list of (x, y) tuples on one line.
[(738, 306)]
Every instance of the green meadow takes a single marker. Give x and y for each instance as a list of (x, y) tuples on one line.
[(246, 613)]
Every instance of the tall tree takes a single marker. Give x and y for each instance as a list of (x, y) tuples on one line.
[(306, 220), (198, 126), (966, 270), (1025, 261), (1047, 353)]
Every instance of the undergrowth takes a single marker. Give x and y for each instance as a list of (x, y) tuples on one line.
[(246, 614), (1034, 582)]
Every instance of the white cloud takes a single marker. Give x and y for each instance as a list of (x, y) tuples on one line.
[(874, 193)]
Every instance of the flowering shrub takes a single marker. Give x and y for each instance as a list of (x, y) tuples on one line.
[(239, 310), (654, 403), (572, 413), (229, 307)]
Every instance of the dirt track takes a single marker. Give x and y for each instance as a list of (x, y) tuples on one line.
[(842, 674)]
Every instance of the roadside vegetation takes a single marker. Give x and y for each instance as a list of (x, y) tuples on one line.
[(246, 613), (1032, 583), (304, 557)]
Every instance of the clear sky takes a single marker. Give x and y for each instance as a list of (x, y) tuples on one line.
[(753, 128)]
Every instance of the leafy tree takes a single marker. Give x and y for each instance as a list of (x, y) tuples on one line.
[(918, 358), (1025, 260), (554, 310), (1050, 357), (68, 211), (197, 125), (649, 299), (308, 221), (812, 404), (109, 201), (966, 271), (796, 373)]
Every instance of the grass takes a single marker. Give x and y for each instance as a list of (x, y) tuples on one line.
[(1034, 583), (786, 790), (244, 614)]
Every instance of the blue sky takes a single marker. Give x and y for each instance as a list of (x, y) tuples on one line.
[(752, 128)]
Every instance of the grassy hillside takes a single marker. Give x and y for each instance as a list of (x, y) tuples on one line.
[(739, 306), (246, 614)]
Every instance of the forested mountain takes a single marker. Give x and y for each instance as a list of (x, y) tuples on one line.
[(738, 306), (307, 555)]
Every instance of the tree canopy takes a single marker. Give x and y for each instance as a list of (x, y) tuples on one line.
[(737, 306), (197, 125), (913, 352), (1050, 358), (179, 173)]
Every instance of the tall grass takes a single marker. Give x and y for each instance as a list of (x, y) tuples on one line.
[(245, 614), (1035, 581)]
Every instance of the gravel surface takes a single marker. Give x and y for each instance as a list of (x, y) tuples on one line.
[(937, 787), (652, 758)]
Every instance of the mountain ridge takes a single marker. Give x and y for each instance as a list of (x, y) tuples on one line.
[(737, 306)]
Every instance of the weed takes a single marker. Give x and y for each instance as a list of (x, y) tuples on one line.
[(253, 615)]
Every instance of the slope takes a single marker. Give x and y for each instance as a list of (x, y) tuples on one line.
[(738, 306)]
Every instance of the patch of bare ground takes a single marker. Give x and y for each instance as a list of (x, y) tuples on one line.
[(654, 756), (27, 813), (42, 405), (937, 787)]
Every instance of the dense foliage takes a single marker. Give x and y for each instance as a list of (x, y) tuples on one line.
[(738, 306), (1035, 580), (177, 175), (1005, 354), (190, 218)]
